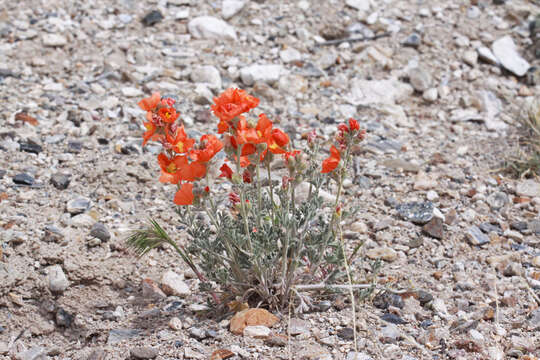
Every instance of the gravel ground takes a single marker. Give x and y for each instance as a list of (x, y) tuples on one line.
[(439, 90)]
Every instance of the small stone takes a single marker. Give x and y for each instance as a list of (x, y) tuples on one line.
[(150, 290), (430, 95), (276, 340), (432, 196), (251, 317), (385, 299), (362, 5), (24, 179), (175, 323), (514, 235), (434, 228), (486, 55), (97, 354), (31, 147), (393, 319), (173, 284), (229, 8), (82, 220), (416, 212), (208, 75), (299, 326), (497, 200), (143, 352), (198, 333), (476, 237), (54, 40), (534, 320), (346, 333), (414, 40), (63, 318), (257, 331), (385, 253), (390, 333), (131, 92), (100, 231), (528, 188), (152, 18), (264, 73), (470, 57), (78, 205), (57, 279), (505, 51), (34, 353), (60, 181), (290, 55), (536, 261), (191, 354), (423, 181), (358, 356), (208, 27), (420, 79), (423, 297)]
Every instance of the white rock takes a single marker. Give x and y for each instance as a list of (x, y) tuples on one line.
[(229, 8), (372, 92), (82, 220), (54, 40), (204, 95), (53, 87), (207, 74), (208, 27), (257, 331), (290, 55), (529, 188), (302, 191), (386, 253), (536, 261), (430, 95), (131, 91), (432, 195), (424, 181), (486, 55), (182, 14), (470, 57), (173, 284), (495, 353), (505, 51), (292, 84), (358, 356), (390, 333), (362, 5), (476, 335), (265, 73), (440, 307), (175, 323), (58, 281)]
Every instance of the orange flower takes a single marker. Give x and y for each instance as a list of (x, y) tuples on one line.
[(179, 168), (353, 124), (226, 171), (290, 154), (330, 163), (212, 146), (150, 103), (168, 115), (150, 131), (180, 142), (230, 104), (184, 195), (277, 141)]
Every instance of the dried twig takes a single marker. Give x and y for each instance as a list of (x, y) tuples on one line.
[(354, 39)]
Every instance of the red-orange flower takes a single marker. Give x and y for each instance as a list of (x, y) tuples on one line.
[(211, 146), (353, 124), (149, 133), (184, 195), (277, 140), (230, 104), (179, 168), (226, 171), (330, 163), (180, 142), (290, 154), (150, 103), (168, 114)]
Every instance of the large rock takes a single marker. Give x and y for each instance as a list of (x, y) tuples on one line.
[(265, 73), (207, 74), (505, 51), (208, 27), (372, 92)]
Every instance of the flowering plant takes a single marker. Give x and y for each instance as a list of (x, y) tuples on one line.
[(266, 231)]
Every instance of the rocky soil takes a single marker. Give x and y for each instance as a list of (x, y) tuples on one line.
[(440, 92)]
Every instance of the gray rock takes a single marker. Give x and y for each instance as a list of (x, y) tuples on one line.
[(420, 79), (54, 40), (60, 181), (34, 353), (475, 236), (265, 73), (257, 331), (497, 200), (208, 75), (208, 27), (505, 51), (534, 320), (358, 356), (198, 333), (24, 179), (299, 326), (372, 92), (152, 18), (346, 333), (390, 333), (143, 352), (229, 8), (57, 279), (290, 55), (528, 188), (416, 212), (100, 231), (414, 40), (118, 335), (78, 205)]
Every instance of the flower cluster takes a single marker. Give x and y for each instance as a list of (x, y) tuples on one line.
[(347, 135), (182, 161)]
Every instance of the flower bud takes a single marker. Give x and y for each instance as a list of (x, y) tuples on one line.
[(236, 179)]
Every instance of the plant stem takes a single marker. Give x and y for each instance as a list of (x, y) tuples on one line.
[(351, 292), (271, 190), (259, 195)]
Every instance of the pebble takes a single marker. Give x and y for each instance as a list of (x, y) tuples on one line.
[(497, 200), (31, 147), (505, 51), (299, 326), (420, 79), (229, 8), (54, 40), (358, 356), (143, 352), (385, 253), (208, 27), (430, 95), (57, 279), (257, 331), (434, 228), (432, 196), (100, 231), (476, 237), (486, 55), (528, 188), (209, 75), (414, 40), (390, 333), (470, 57), (152, 18), (416, 212), (63, 318), (118, 335), (514, 235), (385, 299), (173, 284), (82, 220), (372, 92), (362, 5), (24, 179), (265, 73), (78, 205), (175, 324), (132, 92), (151, 291), (346, 333), (290, 55), (34, 353), (60, 181), (198, 333), (536, 261), (393, 318)]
